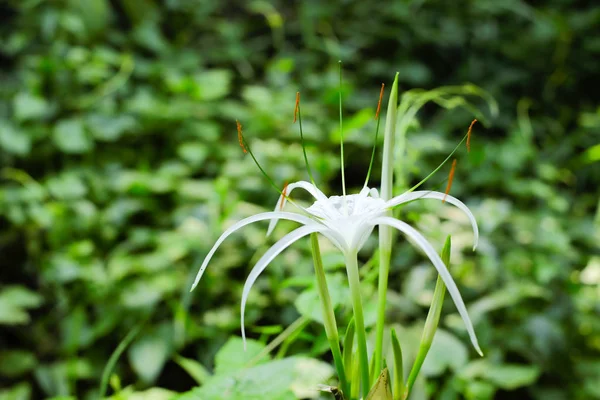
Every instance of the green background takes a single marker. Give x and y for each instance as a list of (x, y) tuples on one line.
[(120, 166)]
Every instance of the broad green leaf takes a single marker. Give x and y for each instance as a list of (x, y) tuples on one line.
[(70, 137), (511, 376), (504, 376), (149, 353), (447, 352), (286, 379), (193, 368), (110, 128), (309, 304), (21, 296), (28, 106), (21, 391), (14, 363), (14, 300), (213, 84), (13, 140), (232, 356)]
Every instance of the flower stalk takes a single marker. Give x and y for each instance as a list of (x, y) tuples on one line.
[(431, 323), (354, 283), (328, 314), (385, 232)]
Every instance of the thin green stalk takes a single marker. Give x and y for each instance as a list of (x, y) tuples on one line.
[(354, 283), (385, 232), (328, 315), (299, 115), (348, 348), (114, 357), (398, 367), (431, 323), (342, 137)]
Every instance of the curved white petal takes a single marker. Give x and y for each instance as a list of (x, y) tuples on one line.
[(258, 217), (309, 187), (439, 265), (425, 194), (264, 261)]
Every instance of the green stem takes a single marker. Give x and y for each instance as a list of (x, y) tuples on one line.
[(363, 358), (385, 232), (328, 315), (431, 323)]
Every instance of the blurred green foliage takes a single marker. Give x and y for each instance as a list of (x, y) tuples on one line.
[(119, 167)]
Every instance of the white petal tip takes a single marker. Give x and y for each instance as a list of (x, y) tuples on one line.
[(479, 351)]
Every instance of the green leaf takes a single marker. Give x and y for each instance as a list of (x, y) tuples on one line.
[(21, 391), (14, 300), (70, 137), (21, 296), (28, 106), (213, 84), (193, 152), (149, 353), (13, 140), (193, 368), (447, 352), (110, 128), (504, 376), (511, 376), (14, 363), (286, 379), (150, 394), (308, 302), (233, 357)]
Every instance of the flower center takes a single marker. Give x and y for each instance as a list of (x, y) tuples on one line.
[(349, 217)]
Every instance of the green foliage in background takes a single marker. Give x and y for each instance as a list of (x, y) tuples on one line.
[(119, 166)]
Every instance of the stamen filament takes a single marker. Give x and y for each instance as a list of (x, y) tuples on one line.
[(342, 135), (450, 179), (298, 114), (469, 135), (439, 166), (246, 147), (377, 117)]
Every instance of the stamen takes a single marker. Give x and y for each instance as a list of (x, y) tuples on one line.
[(298, 116), (450, 178), (283, 196), (342, 139), (297, 106), (469, 135), (376, 134), (240, 136), (379, 102)]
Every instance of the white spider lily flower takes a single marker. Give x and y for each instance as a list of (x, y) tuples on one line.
[(347, 221)]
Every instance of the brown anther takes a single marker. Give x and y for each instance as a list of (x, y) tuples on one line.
[(240, 136), (297, 107), (469, 135), (379, 102), (450, 178), (283, 196)]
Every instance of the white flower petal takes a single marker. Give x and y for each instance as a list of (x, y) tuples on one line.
[(309, 187), (439, 265), (425, 194), (264, 261), (258, 217)]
